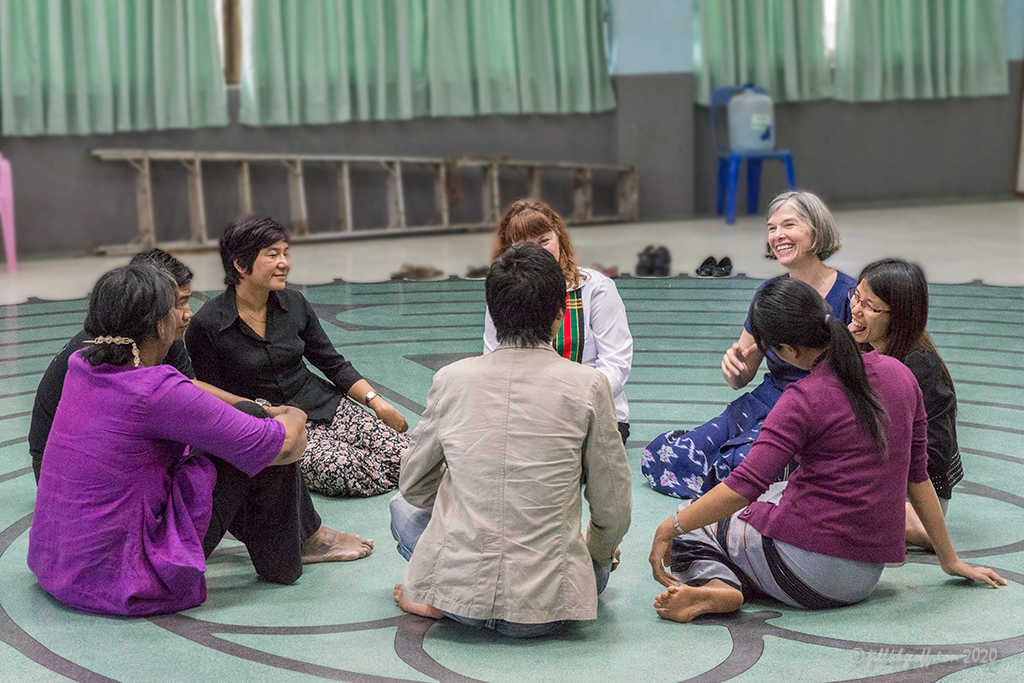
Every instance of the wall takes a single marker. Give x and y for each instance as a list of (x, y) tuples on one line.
[(850, 153), (66, 200)]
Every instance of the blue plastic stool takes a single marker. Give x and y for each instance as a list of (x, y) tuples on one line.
[(729, 163)]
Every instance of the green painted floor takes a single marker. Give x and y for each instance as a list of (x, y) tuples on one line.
[(339, 622)]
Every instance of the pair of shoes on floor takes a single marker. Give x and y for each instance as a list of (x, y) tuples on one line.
[(413, 271), (712, 268), (653, 262)]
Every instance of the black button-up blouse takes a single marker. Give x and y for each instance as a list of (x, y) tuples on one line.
[(228, 354)]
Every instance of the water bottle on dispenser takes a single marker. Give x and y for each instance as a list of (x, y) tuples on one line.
[(751, 121)]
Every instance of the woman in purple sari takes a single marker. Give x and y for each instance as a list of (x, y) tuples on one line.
[(126, 512)]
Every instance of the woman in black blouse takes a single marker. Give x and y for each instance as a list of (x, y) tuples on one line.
[(252, 341), (890, 312)]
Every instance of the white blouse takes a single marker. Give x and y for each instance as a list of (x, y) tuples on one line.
[(607, 342)]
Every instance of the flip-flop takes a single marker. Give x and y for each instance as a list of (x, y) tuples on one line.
[(707, 268)]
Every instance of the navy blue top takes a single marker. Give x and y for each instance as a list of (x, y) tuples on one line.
[(782, 373)]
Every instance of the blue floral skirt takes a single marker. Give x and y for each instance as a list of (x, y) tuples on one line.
[(688, 464)]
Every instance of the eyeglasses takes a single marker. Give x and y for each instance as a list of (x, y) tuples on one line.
[(856, 300)]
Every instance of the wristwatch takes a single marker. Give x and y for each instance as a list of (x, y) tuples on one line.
[(261, 401), (370, 395)]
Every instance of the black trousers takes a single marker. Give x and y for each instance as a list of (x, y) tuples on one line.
[(271, 513), (624, 431)]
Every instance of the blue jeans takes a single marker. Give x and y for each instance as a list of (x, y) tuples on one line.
[(407, 525)]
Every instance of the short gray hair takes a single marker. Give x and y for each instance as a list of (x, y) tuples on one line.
[(810, 208)]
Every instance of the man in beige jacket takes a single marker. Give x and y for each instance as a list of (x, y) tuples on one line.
[(490, 491)]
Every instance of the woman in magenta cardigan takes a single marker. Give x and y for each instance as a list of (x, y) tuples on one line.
[(856, 428)]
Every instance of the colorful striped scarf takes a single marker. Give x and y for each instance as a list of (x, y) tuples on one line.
[(569, 340)]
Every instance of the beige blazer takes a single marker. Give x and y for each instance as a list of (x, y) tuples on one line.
[(501, 453)]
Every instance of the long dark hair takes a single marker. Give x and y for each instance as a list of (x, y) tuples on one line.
[(903, 287), (788, 311), (127, 302)]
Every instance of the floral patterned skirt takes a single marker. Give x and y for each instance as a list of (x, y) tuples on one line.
[(687, 464), (356, 455)]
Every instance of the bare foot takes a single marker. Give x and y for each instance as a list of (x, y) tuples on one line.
[(330, 545), (916, 535), (415, 607), (686, 603)]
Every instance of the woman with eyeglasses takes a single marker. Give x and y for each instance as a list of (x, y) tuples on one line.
[(857, 428), (802, 234), (890, 312)]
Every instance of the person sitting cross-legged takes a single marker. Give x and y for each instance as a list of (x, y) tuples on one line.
[(488, 512), (320, 543)]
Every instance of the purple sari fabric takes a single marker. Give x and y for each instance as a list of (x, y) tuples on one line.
[(123, 504)]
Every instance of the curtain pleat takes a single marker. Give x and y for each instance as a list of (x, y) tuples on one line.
[(321, 61), (920, 49), (105, 66), (776, 44)]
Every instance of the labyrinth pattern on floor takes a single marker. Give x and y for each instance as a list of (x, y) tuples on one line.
[(339, 622)]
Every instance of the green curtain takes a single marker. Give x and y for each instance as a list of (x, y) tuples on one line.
[(102, 66), (776, 44), (324, 61), (919, 49)]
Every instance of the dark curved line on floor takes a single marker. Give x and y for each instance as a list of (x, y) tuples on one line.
[(18, 393), (395, 397), (681, 366), (991, 454), (978, 320), (355, 327), (987, 384), (948, 307), (973, 489), (955, 347), (991, 428), (379, 342), (748, 630), (14, 474), (675, 401), (35, 315), (409, 648), (40, 327), (13, 359), (677, 352), (11, 442), (21, 374), (747, 644), (983, 365), (989, 404), (682, 385), (1009, 297), (197, 631), (34, 341), (20, 640), (188, 624), (987, 335), (393, 292)]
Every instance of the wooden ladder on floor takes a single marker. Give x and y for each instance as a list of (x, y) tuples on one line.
[(445, 171)]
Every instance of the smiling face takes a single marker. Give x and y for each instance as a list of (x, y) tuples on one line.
[(790, 237), (548, 241), (270, 269), (870, 324)]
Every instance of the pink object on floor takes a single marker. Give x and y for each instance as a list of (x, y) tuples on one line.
[(7, 212)]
